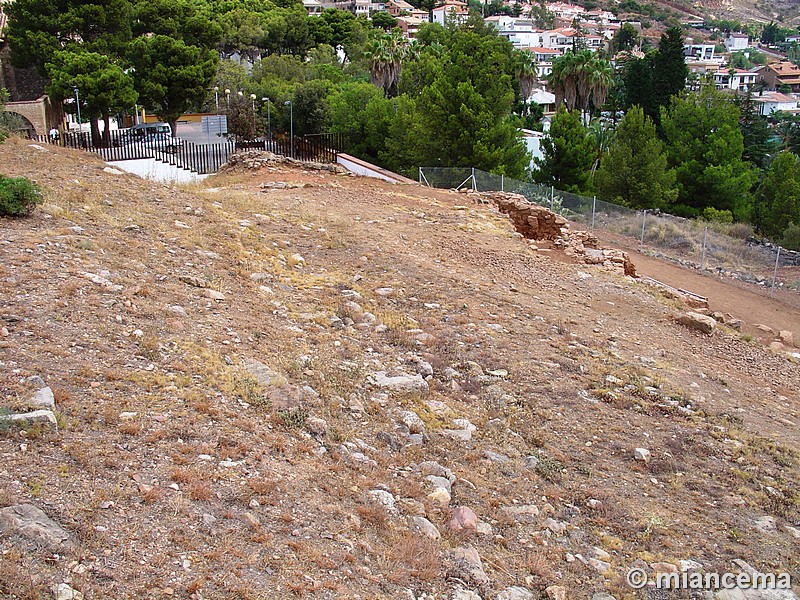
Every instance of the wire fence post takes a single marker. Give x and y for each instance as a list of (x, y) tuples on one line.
[(419, 175), (775, 273), (594, 209), (474, 185), (703, 258), (502, 182), (641, 240), (552, 196)]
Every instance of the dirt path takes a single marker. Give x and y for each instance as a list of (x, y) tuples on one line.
[(750, 303)]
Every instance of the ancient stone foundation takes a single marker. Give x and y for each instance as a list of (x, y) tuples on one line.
[(538, 223)]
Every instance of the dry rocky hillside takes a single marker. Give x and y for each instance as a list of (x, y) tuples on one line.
[(290, 382)]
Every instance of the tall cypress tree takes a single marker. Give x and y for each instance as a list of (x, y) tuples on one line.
[(755, 131), (651, 82), (669, 67)]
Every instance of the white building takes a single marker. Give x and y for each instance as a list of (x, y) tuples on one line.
[(739, 80), (544, 59), (704, 52), (770, 102), (533, 144), (734, 42), (450, 11)]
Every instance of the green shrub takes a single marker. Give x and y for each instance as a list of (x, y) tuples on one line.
[(791, 237), (18, 196), (717, 216)]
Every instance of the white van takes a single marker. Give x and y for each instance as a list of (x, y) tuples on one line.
[(143, 129)]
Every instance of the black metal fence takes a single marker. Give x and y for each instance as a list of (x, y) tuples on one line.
[(198, 158)]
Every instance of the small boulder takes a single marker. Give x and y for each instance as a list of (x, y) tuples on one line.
[(35, 529), (424, 526), (515, 593), (642, 455), (400, 383), (702, 323), (556, 592), (463, 519)]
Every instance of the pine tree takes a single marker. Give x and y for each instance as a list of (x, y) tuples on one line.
[(705, 147), (635, 172), (755, 131), (568, 154), (778, 197)]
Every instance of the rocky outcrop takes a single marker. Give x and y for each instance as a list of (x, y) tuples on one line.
[(536, 222)]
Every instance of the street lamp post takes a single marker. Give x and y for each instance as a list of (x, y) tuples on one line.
[(253, 102), (216, 97), (227, 97), (78, 105), (291, 125), (269, 119)]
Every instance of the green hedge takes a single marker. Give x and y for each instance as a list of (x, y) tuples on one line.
[(18, 196)]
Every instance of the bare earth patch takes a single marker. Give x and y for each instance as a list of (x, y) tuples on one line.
[(212, 353)]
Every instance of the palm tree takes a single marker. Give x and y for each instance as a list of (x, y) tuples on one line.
[(386, 54), (525, 66), (581, 80), (602, 134), (600, 78)]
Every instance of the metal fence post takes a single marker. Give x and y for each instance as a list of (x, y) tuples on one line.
[(594, 208), (502, 182), (775, 273), (703, 259), (552, 196), (419, 175), (474, 185), (641, 240)]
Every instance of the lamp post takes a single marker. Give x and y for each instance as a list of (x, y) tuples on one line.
[(291, 125), (253, 103), (78, 104), (269, 119), (216, 97), (227, 98)]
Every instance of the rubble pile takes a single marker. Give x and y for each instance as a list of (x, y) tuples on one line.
[(538, 223), (252, 160)]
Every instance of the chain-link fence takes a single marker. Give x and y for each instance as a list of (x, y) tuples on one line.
[(727, 249)]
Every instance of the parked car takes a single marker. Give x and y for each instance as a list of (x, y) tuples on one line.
[(139, 132), (159, 141)]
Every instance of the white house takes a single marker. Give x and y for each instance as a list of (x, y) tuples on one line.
[(564, 10), (450, 11), (740, 79), (520, 32), (770, 102), (314, 7), (533, 144), (544, 59), (734, 42), (703, 52), (545, 99)]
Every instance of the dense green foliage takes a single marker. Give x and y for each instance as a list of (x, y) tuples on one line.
[(568, 154), (777, 201), (635, 171), (18, 196), (705, 147), (651, 82), (103, 86)]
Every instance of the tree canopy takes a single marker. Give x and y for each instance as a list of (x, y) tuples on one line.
[(634, 173), (705, 147), (568, 154)]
